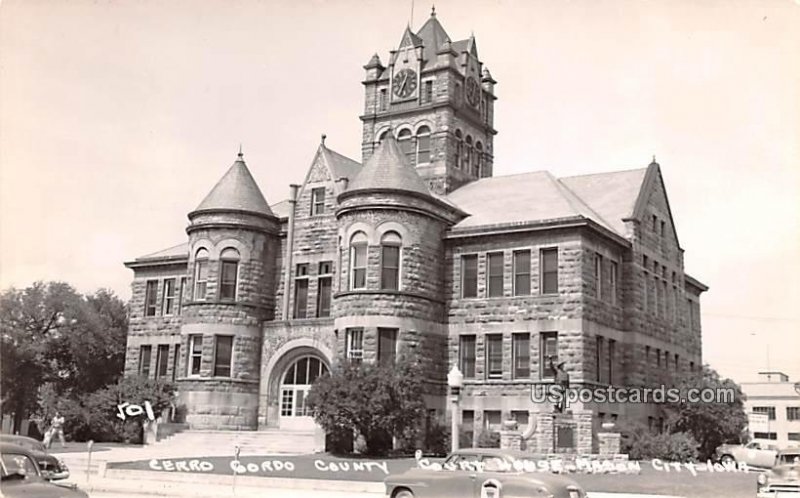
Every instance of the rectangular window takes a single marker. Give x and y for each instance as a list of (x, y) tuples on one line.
[(793, 413), (655, 224), (765, 435), (354, 345), (549, 259), (200, 279), (522, 273), (223, 354), (144, 360), (150, 298), (768, 410), (666, 360), (611, 347), (521, 354), (427, 91), (387, 345), (358, 261), (598, 358), (677, 363), (301, 291), (469, 276), (494, 356), (423, 148), (612, 281), (181, 292), (466, 355), (162, 360), (324, 297), (494, 275), (548, 350), (195, 354), (382, 102), (169, 297), (658, 358), (176, 357), (663, 228), (793, 436), (691, 366), (647, 364), (598, 276), (227, 281), (300, 297), (656, 301), (390, 267), (317, 201)]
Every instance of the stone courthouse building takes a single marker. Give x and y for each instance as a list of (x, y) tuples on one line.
[(418, 249)]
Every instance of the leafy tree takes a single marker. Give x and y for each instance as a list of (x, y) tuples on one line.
[(374, 400), (710, 424), (49, 333)]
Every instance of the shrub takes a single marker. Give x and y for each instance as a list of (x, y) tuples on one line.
[(94, 415), (489, 439), (676, 447), (377, 401)]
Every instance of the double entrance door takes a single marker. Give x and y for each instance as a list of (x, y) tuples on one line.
[(296, 384)]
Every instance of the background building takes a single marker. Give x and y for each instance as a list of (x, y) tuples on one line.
[(422, 249), (779, 399)]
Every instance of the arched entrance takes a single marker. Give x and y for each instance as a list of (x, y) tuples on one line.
[(295, 384)]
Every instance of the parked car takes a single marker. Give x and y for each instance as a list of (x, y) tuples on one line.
[(754, 454), (784, 477), (474, 473), (52, 467), (20, 476)]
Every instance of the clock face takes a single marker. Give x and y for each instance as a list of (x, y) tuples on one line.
[(405, 82), (473, 91)]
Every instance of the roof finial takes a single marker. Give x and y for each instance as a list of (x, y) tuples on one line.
[(240, 150), (322, 138), (433, 10), (654, 159)]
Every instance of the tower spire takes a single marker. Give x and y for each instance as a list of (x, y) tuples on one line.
[(240, 150)]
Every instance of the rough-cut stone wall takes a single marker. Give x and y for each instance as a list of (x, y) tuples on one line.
[(153, 330)]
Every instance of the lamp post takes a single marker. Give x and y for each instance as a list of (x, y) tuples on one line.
[(455, 380)]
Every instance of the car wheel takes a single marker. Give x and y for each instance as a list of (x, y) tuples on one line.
[(727, 460), (403, 493)]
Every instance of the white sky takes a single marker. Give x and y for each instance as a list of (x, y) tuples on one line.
[(117, 117)]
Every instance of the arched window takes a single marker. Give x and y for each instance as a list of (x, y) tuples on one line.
[(200, 274), (382, 135), (478, 162), (296, 383), (358, 261), (228, 274), (390, 261), (467, 154), (423, 145), (459, 146), (406, 142)]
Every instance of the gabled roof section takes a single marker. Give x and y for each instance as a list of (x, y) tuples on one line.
[(409, 39), (236, 190), (281, 209), (388, 168), (652, 178), (171, 255), (513, 199), (611, 195), (340, 166), (433, 37)]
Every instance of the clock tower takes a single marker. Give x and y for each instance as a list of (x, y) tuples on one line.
[(437, 98)]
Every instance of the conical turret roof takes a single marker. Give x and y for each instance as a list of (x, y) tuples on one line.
[(388, 168), (236, 190)]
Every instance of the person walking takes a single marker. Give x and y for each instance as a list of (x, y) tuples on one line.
[(56, 429)]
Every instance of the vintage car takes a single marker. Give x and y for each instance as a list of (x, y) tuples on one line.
[(479, 473), (52, 467), (754, 454), (20, 476), (783, 480)]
